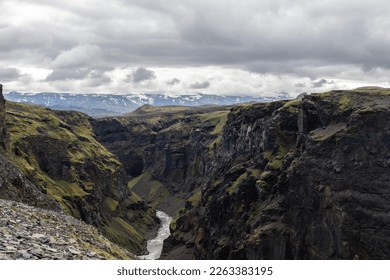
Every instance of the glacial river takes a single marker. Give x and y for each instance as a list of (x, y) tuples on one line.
[(155, 245)]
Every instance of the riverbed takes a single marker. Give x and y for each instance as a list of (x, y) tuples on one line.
[(155, 245)]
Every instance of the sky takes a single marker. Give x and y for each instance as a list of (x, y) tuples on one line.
[(251, 47)]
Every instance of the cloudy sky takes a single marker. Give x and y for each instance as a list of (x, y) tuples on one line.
[(249, 47)]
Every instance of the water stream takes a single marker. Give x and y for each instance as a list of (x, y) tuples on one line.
[(155, 245)]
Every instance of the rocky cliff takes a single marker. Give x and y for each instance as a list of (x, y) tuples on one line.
[(300, 179), (13, 182), (296, 180), (58, 154)]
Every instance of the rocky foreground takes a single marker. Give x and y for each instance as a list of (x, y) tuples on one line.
[(31, 233)]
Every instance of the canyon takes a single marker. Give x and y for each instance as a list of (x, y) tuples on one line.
[(290, 179)]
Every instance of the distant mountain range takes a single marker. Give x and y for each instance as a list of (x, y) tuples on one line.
[(99, 105)]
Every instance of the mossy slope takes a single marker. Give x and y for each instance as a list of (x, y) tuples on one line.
[(58, 152)]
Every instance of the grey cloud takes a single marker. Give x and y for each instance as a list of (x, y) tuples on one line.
[(9, 74), (89, 77), (321, 83), (199, 85), (300, 85), (80, 55), (128, 78), (276, 37), (215, 33), (173, 82), (141, 74), (37, 43), (97, 80), (68, 74), (21, 37)]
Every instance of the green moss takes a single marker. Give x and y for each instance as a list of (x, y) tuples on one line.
[(234, 186), (110, 204), (372, 90), (195, 198), (121, 232), (256, 173), (218, 119), (217, 182), (153, 191), (344, 102), (155, 187), (24, 121), (276, 164), (268, 155), (70, 189), (73, 130), (275, 159), (173, 224), (292, 106), (134, 198), (135, 181)]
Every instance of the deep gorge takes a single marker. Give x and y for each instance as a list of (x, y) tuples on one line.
[(294, 179)]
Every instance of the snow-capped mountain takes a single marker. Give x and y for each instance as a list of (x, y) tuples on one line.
[(113, 104)]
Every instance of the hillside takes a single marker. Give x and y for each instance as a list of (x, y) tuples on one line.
[(58, 164)]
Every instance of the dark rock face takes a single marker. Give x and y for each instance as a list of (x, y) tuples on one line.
[(298, 180), (339, 184)]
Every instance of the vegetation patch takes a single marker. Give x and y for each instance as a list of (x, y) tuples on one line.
[(195, 198), (292, 106), (344, 102), (234, 186), (217, 119), (110, 204)]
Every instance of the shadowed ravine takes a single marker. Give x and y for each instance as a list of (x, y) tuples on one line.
[(155, 245)]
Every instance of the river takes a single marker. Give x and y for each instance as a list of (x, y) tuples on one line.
[(155, 245)]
